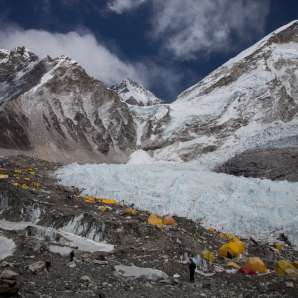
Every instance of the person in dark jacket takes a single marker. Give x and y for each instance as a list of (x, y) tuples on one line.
[(192, 268), (71, 256)]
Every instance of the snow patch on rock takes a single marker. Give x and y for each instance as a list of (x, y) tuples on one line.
[(139, 272), (7, 247), (134, 93), (81, 243), (61, 250)]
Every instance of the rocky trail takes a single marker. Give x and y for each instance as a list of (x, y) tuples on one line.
[(56, 243)]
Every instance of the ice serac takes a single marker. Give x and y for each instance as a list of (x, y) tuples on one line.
[(250, 102), (52, 109), (134, 93)]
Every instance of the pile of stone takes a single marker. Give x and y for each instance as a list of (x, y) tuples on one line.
[(8, 283)]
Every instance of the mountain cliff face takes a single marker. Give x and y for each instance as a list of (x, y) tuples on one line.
[(249, 102), (52, 108), (134, 93)]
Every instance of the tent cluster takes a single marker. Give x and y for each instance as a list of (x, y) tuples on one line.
[(130, 211), (160, 222), (106, 204), (284, 267), (234, 248), (23, 178), (93, 200)]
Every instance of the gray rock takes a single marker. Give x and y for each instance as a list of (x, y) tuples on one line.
[(5, 264), (8, 283), (289, 284), (98, 262), (8, 288), (139, 272), (85, 278), (36, 267), (72, 265), (8, 274), (274, 164)]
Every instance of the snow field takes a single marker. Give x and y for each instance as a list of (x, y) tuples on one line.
[(140, 157)]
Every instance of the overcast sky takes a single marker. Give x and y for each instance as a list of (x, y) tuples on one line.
[(167, 45)]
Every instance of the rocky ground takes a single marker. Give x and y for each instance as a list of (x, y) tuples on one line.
[(273, 164), (31, 194)]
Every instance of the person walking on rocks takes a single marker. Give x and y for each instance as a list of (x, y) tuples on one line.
[(192, 268)]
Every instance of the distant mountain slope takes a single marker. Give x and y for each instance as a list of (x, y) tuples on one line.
[(249, 102), (134, 93), (53, 109)]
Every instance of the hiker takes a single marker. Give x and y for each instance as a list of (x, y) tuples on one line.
[(192, 268), (71, 256), (48, 265)]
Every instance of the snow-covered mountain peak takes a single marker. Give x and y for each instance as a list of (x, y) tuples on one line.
[(3, 52), (249, 102), (53, 109), (19, 54), (20, 70), (285, 39), (16, 59), (134, 93), (284, 34), (67, 60)]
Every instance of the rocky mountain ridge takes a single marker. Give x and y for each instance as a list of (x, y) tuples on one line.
[(249, 103), (52, 109), (134, 93)]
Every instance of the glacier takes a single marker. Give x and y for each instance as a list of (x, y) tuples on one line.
[(248, 207)]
